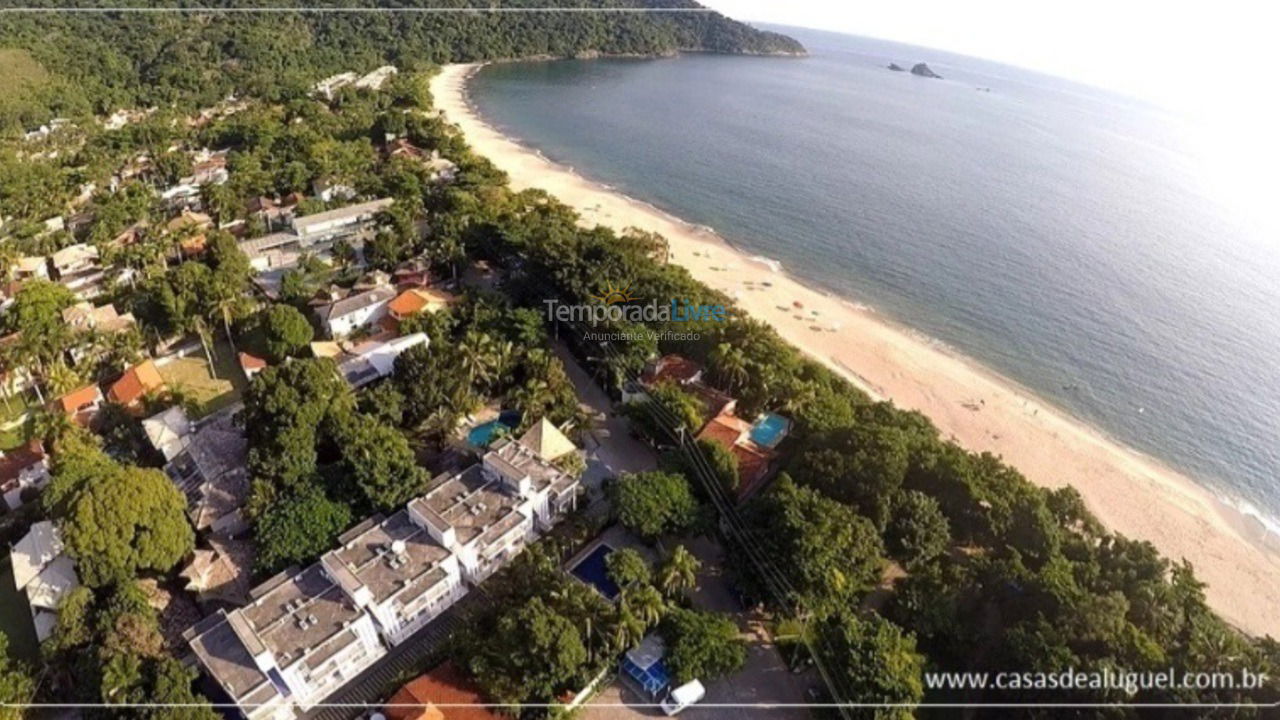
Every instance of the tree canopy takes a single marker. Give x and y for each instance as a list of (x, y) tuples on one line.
[(286, 331), (701, 645), (873, 660), (298, 529), (117, 520), (652, 503)]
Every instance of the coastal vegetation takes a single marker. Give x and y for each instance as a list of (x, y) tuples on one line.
[(67, 64), (1026, 575)]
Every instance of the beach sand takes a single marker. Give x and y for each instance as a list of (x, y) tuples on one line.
[(1129, 492)]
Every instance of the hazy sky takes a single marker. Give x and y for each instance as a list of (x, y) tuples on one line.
[(1169, 51), (1214, 60)]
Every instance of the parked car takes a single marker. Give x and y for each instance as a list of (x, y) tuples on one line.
[(683, 696)]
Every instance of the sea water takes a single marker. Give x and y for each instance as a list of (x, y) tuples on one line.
[(1063, 235)]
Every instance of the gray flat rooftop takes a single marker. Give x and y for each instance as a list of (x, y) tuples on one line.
[(254, 247), (474, 505), (368, 553), (518, 459), (350, 212), (225, 656), (303, 615)]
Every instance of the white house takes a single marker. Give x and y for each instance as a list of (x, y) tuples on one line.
[(343, 316), (78, 270), (329, 189), (75, 259), (329, 85), (169, 431), (442, 169), (393, 568), (375, 79), (30, 268), (377, 360), (45, 573), (334, 223)]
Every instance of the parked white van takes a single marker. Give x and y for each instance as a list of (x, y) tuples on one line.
[(683, 696)]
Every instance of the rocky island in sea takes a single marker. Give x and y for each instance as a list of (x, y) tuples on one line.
[(920, 69), (923, 70)]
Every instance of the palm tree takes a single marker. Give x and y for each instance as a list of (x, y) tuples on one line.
[(531, 398), (477, 356), (206, 338), (504, 358), (226, 307), (645, 603), (730, 365), (62, 378), (679, 571), (627, 629), (49, 425)]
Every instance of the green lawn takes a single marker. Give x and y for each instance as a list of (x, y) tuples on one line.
[(12, 407), (12, 438), (207, 391), (15, 616)]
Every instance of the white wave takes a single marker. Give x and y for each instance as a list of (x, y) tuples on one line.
[(1251, 511), (768, 262)]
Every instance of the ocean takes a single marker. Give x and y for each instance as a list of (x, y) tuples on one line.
[(1062, 235)]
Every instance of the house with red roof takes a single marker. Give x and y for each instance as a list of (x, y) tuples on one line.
[(81, 405), (137, 382), (734, 433), (251, 365), (444, 693), (416, 300)]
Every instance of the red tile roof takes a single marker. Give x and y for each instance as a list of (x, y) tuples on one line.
[(676, 368), (136, 382), (417, 299), (251, 362), (73, 401), (444, 685), (733, 433), (16, 460), (753, 465)]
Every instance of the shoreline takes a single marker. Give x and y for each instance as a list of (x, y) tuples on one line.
[(1130, 493)]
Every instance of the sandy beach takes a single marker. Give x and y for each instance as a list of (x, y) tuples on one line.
[(1129, 492)]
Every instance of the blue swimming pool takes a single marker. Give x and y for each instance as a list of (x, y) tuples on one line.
[(481, 435), (769, 429), (593, 571)]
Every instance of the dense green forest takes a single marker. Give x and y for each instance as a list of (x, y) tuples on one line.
[(75, 63)]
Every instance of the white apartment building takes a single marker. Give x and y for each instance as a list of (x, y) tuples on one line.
[(487, 513), (394, 569), (306, 633), (299, 640)]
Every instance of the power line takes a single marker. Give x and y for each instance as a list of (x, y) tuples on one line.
[(776, 582)]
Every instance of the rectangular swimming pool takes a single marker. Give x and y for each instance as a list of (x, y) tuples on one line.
[(593, 571), (769, 429)]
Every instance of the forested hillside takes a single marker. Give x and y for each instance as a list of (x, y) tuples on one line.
[(96, 63)]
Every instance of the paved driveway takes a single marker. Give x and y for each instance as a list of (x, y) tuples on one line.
[(611, 450), (747, 694)]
